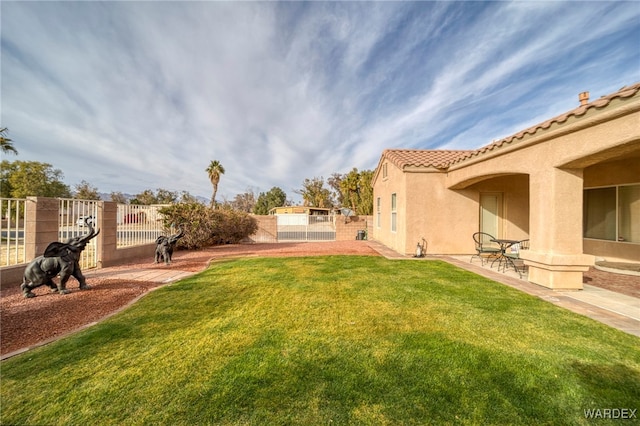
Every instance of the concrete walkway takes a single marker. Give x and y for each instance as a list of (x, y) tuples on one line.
[(163, 276), (613, 309)]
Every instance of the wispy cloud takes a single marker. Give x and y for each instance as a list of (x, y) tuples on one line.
[(137, 95)]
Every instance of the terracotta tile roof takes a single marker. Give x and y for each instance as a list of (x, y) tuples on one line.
[(422, 158), (625, 92), (442, 159)]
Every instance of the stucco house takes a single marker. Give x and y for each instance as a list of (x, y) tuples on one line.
[(571, 185)]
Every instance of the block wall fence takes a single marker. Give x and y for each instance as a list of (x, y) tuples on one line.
[(42, 228)]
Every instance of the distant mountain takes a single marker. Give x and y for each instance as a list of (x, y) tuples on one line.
[(106, 196)]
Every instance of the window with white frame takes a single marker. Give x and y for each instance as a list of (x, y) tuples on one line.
[(612, 213), (394, 213), (378, 211)]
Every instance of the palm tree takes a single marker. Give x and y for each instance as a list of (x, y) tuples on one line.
[(214, 170), (5, 142)]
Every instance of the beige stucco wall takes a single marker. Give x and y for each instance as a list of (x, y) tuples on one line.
[(439, 215), (394, 182), (624, 171), (541, 178), (447, 218)]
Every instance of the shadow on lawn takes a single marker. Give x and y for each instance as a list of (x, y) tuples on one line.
[(416, 379), (609, 386)]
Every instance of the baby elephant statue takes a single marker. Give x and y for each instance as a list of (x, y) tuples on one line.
[(165, 245), (58, 259)]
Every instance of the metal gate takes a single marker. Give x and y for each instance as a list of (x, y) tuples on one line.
[(302, 227), (74, 215)]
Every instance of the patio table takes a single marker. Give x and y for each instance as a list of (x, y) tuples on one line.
[(504, 245)]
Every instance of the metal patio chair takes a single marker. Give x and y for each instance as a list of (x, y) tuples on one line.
[(485, 248), (513, 253)]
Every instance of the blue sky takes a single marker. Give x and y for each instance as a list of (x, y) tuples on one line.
[(143, 95)]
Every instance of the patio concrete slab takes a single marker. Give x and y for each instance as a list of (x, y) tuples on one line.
[(612, 301)]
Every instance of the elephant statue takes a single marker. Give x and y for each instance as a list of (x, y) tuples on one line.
[(58, 259), (165, 246)]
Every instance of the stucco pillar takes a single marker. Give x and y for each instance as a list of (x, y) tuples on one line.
[(555, 258), (107, 238), (41, 224)]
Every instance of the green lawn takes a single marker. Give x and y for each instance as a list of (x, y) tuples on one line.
[(328, 341)]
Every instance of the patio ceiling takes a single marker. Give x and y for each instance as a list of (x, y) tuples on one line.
[(623, 151)]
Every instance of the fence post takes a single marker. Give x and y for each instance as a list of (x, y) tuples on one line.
[(107, 238), (41, 227)]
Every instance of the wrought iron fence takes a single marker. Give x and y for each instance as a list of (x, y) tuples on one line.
[(75, 215), (139, 224), (136, 225), (12, 231)]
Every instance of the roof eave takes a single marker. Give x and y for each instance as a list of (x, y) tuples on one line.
[(410, 168)]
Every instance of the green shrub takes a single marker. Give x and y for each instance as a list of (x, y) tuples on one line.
[(204, 226)]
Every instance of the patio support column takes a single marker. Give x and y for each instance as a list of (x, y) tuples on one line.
[(555, 258)]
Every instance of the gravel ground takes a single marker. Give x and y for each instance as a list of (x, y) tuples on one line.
[(28, 322)]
